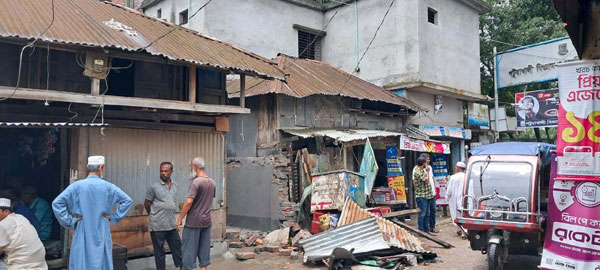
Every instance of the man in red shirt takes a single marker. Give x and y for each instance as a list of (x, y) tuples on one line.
[(197, 208)]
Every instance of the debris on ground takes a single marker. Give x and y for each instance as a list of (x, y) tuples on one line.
[(245, 255), (236, 244), (302, 234), (277, 237)]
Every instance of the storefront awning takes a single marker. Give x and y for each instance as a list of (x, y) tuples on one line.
[(406, 142), (345, 135)]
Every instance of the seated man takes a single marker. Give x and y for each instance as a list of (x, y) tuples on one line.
[(41, 209), (19, 242), (20, 208)]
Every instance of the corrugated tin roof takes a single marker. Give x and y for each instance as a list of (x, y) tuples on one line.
[(394, 235), (48, 124), (363, 236), (306, 77), (101, 24), (346, 135)]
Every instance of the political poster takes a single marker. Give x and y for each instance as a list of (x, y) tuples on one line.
[(394, 167), (397, 184), (537, 108), (440, 177), (578, 136), (368, 167), (573, 231)]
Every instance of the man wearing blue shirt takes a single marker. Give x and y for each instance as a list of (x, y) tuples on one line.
[(87, 206), (41, 209)]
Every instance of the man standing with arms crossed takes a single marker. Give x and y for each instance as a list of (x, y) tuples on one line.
[(197, 207), (161, 204)]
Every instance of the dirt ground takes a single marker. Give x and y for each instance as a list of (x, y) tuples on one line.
[(461, 257)]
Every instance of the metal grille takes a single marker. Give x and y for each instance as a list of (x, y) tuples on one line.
[(309, 45), (183, 17), (432, 15)]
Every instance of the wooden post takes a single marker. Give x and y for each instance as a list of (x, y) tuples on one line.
[(345, 157), (192, 88), (242, 90), (95, 86)]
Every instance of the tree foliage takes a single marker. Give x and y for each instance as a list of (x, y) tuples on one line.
[(513, 23)]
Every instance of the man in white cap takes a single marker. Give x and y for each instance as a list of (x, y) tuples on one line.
[(19, 241), (454, 193), (87, 205)]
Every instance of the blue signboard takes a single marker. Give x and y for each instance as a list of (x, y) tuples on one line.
[(393, 163)]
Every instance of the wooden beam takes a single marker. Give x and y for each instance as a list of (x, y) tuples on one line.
[(34, 94), (242, 90), (192, 88), (422, 234), (402, 213)]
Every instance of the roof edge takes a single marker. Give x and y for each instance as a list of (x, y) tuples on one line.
[(479, 5)]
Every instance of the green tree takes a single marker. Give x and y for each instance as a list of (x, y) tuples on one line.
[(510, 24)]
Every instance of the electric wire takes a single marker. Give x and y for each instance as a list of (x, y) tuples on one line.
[(175, 28), (23, 50)]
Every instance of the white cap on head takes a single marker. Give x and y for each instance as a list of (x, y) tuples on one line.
[(461, 165), (96, 160), (4, 202)]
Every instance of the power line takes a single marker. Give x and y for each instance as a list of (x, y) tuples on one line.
[(175, 27), (368, 46), (23, 50)]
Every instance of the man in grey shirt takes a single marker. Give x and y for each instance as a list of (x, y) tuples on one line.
[(161, 204), (197, 207)]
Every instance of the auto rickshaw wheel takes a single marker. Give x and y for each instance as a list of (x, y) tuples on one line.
[(495, 256)]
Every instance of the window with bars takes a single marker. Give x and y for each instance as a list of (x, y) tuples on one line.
[(432, 16), (309, 45), (159, 13), (183, 17)]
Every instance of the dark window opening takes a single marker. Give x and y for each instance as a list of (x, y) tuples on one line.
[(159, 13), (309, 45), (183, 17), (210, 86), (432, 15), (121, 80)]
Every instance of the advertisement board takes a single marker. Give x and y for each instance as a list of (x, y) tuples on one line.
[(478, 115), (394, 167), (533, 63), (573, 232), (368, 167), (439, 165), (578, 135), (537, 108), (411, 144)]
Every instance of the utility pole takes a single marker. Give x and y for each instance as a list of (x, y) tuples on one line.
[(496, 132)]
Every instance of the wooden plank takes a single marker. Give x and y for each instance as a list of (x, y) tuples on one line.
[(422, 234), (222, 124), (242, 90), (192, 89), (402, 213), (57, 96)]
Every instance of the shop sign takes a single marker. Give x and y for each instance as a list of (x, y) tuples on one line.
[(537, 108), (368, 167), (478, 115), (578, 136), (453, 132), (573, 231), (533, 63), (394, 167), (439, 165), (329, 190), (410, 144)]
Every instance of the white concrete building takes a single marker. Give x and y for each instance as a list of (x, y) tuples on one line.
[(424, 48)]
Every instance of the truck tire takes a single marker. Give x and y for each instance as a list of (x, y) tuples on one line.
[(495, 257)]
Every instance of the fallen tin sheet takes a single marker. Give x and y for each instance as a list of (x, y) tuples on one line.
[(394, 235), (363, 236)]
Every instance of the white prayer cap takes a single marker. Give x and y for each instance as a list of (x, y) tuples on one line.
[(4, 202), (461, 165), (96, 160)]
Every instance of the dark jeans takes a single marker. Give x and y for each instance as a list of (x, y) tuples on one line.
[(432, 211), (196, 245), (158, 241), (423, 205)]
